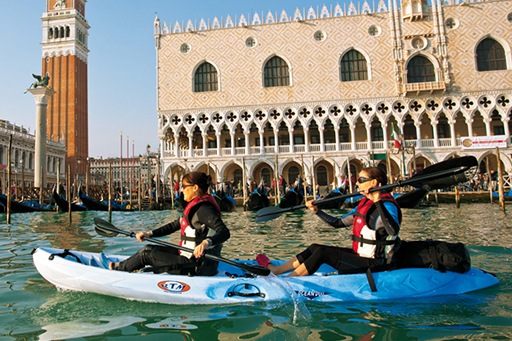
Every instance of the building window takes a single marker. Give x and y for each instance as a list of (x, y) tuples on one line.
[(420, 70), (276, 73), (353, 67), (265, 175), (321, 176), (451, 23), (237, 176), (205, 78), (250, 42), (443, 128), (509, 17), (374, 31), (377, 132), (293, 174), (490, 56), (319, 36), (184, 48)]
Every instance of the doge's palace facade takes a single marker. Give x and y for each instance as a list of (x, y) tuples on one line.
[(311, 91)]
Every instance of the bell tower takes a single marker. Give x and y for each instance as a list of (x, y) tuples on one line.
[(65, 35)]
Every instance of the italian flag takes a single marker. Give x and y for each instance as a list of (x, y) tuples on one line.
[(395, 135)]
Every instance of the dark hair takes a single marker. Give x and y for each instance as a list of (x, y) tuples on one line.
[(200, 179), (378, 174)]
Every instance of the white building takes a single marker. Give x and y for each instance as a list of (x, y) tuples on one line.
[(314, 90)]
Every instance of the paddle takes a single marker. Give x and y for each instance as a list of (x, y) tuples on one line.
[(106, 229), (269, 213)]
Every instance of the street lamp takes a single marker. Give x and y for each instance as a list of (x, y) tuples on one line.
[(148, 149), (22, 163), (404, 149)]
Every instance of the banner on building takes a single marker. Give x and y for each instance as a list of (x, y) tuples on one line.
[(483, 142)]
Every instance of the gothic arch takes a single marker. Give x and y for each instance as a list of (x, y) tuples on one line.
[(198, 65), (286, 60), (503, 42), (365, 55)]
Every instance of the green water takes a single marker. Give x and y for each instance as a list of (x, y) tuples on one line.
[(32, 309)]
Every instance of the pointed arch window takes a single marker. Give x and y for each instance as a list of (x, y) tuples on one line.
[(276, 73), (420, 70), (353, 67), (206, 78), (490, 56)]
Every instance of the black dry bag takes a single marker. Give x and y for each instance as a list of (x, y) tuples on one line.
[(442, 256)]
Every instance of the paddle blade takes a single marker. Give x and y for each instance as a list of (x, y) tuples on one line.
[(268, 213), (103, 228), (470, 163)]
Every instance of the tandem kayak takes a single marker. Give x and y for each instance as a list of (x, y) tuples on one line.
[(82, 271)]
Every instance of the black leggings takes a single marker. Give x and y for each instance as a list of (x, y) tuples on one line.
[(156, 256), (344, 260)]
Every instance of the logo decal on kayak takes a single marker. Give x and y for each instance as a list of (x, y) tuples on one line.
[(311, 294), (173, 286)]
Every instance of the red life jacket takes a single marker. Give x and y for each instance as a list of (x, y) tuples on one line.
[(189, 235), (364, 238)]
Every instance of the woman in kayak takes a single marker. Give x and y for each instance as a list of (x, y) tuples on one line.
[(375, 224), (202, 230)]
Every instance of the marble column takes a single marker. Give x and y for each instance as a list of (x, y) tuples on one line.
[(247, 147), (322, 140), (436, 138), (418, 134), (337, 137), (191, 145), (306, 140), (452, 133), (41, 96), (217, 135), (262, 145), (292, 148), (353, 137), (205, 141)]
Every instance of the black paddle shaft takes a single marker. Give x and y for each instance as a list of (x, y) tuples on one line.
[(105, 225), (274, 212)]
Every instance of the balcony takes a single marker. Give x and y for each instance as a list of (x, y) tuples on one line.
[(417, 88)]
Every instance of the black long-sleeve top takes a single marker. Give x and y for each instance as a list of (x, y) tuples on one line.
[(205, 216), (384, 219)]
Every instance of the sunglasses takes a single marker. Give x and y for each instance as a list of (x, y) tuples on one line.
[(185, 186), (363, 179)]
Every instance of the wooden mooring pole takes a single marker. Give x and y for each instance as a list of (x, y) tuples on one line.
[(9, 197), (500, 180)]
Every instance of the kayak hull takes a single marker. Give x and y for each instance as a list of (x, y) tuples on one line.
[(231, 286)]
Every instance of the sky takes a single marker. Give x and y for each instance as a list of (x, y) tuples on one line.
[(121, 61)]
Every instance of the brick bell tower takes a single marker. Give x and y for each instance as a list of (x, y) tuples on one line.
[(65, 35)]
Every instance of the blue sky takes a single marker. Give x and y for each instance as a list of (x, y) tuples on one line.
[(121, 63)]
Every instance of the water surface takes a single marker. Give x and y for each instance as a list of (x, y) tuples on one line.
[(32, 309)]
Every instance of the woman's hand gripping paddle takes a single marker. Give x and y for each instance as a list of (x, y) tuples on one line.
[(106, 229), (442, 173)]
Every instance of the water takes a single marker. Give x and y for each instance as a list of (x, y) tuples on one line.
[(32, 309)]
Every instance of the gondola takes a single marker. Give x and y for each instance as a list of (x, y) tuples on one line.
[(21, 207), (256, 201), (64, 204), (95, 205), (412, 198), (334, 204), (226, 203), (291, 198)]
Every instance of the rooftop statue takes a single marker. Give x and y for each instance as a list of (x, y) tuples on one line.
[(41, 81)]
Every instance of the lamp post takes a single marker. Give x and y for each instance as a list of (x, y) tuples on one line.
[(148, 149), (78, 162), (405, 149), (22, 163)]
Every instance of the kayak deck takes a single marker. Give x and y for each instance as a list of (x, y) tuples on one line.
[(233, 285)]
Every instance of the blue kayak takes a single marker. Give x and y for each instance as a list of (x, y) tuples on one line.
[(83, 271)]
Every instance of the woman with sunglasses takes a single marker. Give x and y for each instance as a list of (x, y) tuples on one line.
[(202, 230), (375, 225)]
